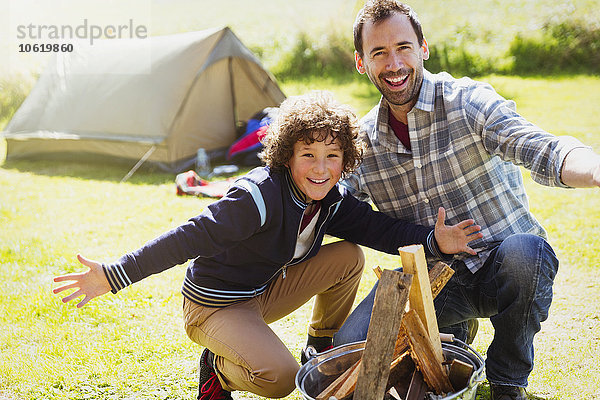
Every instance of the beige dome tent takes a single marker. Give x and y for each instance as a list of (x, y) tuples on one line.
[(160, 98)]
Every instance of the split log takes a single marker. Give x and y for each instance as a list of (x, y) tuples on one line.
[(343, 384), (460, 374), (401, 371), (401, 344), (417, 387), (439, 275), (388, 307), (378, 271), (421, 299), (402, 366), (349, 384), (423, 354)]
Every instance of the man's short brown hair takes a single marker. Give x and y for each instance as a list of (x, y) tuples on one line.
[(375, 11), (315, 116)]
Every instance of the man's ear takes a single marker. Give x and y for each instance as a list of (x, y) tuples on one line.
[(425, 48), (359, 63)]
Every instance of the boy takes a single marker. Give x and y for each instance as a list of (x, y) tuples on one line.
[(257, 255)]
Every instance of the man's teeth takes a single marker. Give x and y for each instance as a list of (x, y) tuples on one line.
[(318, 180), (397, 79)]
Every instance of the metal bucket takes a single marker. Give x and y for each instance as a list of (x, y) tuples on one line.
[(324, 368)]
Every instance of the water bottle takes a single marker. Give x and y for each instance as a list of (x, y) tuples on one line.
[(202, 163)]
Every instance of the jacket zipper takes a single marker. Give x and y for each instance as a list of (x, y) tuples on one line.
[(284, 268)]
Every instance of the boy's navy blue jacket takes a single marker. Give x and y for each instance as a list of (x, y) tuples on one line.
[(241, 242)]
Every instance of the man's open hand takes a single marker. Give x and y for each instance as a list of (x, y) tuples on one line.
[(455, 239)]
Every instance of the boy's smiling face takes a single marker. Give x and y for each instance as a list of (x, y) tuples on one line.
[(316, 167)]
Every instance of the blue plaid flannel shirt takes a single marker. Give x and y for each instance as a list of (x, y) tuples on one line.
[(467, 145)]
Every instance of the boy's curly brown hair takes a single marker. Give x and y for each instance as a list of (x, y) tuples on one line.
[(315, 116)]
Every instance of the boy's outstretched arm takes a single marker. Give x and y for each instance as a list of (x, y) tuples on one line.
[(91, 283), (455, 239)]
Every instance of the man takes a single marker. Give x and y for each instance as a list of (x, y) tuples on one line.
[(436, 141)]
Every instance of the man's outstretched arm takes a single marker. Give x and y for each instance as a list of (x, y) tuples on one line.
[(581, 168)]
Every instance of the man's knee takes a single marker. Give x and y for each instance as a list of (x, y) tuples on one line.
[(526, 266), (525, 254)]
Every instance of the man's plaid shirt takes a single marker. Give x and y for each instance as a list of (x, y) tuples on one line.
[(467, 143)]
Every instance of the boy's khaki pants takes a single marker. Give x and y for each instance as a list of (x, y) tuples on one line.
[(248, 354)]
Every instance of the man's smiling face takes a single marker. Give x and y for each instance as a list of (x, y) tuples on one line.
[(393, 59)]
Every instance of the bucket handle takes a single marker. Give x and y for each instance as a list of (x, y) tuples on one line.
[(310, 352)]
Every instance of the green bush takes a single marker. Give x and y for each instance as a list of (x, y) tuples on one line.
[(568, 46), (328, 54), (457, 61), (13, 90), (332, 54), (565, 46)]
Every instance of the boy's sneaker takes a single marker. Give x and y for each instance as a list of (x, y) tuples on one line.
[(209, 387)]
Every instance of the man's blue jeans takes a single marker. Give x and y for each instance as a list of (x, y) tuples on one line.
[(513, 289)]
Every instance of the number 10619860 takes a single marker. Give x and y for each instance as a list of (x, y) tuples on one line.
[(45, 48)]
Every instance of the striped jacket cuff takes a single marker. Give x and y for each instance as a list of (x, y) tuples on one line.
[(116, 276), (434, 249)]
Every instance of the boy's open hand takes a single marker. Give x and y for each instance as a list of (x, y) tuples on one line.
[(454, 239), (91, 283)]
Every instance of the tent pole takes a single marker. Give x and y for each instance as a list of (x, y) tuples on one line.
[(139, 164), (233, 99)]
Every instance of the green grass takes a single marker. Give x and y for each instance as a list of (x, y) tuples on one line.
[(132, 345)]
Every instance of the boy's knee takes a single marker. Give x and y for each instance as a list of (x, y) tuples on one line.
[(279, 380), (352, 254), (286, 386)]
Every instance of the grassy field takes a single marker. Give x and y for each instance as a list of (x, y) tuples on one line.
[(132, 345)]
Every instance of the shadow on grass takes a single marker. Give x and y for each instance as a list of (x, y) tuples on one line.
[(102, 169), (110, 170)]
